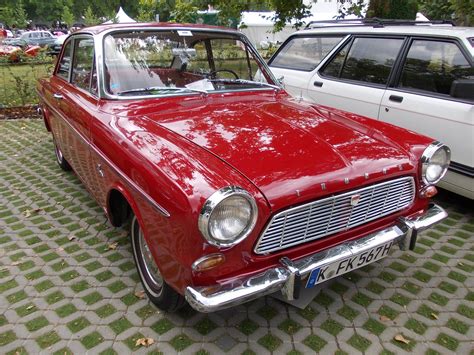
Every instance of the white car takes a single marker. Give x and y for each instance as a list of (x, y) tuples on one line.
[(420, 77)]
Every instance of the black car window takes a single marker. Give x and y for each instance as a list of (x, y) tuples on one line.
[(433, 66), (83, 63), (333, 68), (368, 60), (65, 62), (304, 53)]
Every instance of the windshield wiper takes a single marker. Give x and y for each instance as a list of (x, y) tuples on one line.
[(150, 89), (243, 81)]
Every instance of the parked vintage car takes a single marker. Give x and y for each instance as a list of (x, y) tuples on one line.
[(416, 75), (233, 188), (38, 38), (15, 48)]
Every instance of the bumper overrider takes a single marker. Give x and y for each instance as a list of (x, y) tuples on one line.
[(287, 277)]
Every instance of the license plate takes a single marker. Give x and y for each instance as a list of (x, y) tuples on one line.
[(353, 262)]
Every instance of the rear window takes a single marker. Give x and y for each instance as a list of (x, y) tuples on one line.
[(304, 53), (433, 66)]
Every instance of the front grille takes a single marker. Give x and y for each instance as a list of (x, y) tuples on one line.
[(324, 217)]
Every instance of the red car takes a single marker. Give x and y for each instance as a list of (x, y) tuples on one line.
[(14, 48), (232, 189)]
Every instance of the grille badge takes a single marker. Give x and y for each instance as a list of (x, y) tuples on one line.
[(355, 200)]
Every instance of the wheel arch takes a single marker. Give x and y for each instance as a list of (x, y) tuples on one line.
[(43, 111), (120, 206)]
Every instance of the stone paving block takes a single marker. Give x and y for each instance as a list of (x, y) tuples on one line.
[(56, 268)]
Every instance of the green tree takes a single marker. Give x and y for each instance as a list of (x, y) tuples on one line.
[(393, 9), (146, 10), (184, 12), (20, 18), (459, 11), (357, 8), (285, 11), (67, 16), (47, 11), (14, 15), (90, 19)]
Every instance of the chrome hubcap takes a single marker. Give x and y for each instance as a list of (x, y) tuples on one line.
[(150, 268)]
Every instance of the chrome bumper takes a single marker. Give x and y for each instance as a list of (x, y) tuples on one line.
[(287, 277)]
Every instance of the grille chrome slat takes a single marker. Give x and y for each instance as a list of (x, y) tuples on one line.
[(334, 214)]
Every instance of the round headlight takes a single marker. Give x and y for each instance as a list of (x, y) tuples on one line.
[(228, 216), (435, 162)]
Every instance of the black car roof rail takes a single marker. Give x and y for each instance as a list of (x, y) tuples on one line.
[(374, 22)]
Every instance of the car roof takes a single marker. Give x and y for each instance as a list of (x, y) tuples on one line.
[(136, 25), (36, 31), (435, 30)]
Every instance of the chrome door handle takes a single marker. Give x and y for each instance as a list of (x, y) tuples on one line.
[(58, 96)]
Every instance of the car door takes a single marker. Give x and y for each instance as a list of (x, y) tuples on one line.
[(421, 99), (52, 92), (46, 38), (34, 38), (297, 58), (79, 103), (354, 78)]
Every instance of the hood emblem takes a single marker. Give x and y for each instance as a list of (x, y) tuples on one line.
[(355, 199)]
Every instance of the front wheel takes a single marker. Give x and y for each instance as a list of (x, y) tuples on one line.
[(159, 292)]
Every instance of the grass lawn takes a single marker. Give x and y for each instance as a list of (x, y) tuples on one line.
[(18, 81)]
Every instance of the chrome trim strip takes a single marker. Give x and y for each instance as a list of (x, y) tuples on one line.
[(130, 182), (292, 232), (461, 169), (216, 297), (118, 171)]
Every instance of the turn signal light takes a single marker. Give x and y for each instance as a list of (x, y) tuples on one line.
[(208, 262), (428, 192)]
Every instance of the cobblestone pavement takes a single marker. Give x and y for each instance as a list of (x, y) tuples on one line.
[(68, 283)]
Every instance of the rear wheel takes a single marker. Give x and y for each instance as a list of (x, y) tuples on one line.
[(62, 162), (159, 292)]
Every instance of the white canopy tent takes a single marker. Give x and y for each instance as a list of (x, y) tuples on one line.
[(421, 17), (121, 17), (258, 26)]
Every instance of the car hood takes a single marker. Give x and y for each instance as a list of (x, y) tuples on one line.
[(290, 150)]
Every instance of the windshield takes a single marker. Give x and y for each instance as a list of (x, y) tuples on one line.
[(180, 61)]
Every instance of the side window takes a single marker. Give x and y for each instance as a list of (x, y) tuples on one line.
[(433, 66), (333, 68), (83, 63), (65, 62), (304, 53), (368, 60)]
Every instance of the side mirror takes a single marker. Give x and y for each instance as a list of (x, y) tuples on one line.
[(281, 81), (463, 89)]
